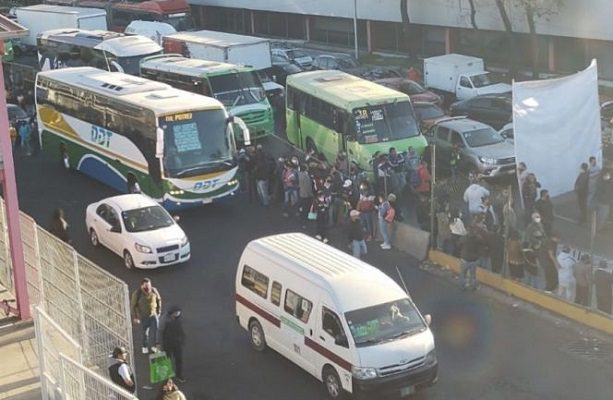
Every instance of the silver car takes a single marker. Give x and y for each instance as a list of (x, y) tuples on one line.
[(482, 149)]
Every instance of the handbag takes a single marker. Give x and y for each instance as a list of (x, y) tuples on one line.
[(160, 367), (312, 216)]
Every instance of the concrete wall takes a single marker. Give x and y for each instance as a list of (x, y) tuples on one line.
[(588, 19)]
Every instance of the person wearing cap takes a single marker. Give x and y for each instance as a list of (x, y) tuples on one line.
[(146, 306), (120, 372), (173, 339), (566, 276), (386, 218), (355, 232)]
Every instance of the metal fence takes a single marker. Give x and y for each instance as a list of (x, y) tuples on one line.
[(6, 273)]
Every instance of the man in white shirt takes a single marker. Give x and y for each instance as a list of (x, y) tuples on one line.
[(566, 276), (474, 195)]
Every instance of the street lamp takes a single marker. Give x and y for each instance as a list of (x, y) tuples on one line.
[(355, 28)]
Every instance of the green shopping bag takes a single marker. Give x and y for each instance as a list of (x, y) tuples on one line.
[(160, 367)]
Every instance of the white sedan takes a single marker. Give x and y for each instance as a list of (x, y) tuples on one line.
[(138, 229)]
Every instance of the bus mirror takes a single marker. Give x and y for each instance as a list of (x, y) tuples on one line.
[(159, 143), (246, 134)]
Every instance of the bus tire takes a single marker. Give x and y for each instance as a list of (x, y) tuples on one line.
[(128, 261), (93, 238), (256, 335), (332, 383)]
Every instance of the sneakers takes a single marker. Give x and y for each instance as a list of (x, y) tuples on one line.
[(145, 350), (318, 237), (385, 247)]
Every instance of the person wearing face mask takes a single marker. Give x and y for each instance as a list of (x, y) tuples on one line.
[(146, 306)]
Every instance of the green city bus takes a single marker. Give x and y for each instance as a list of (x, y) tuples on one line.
[(331, 111), (121, 129), (237, 87)]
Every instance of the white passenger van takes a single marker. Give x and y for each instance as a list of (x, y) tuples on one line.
[(342, 320)]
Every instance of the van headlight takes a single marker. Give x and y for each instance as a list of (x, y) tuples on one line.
[(364, 373), (430, 358), (142, 248)]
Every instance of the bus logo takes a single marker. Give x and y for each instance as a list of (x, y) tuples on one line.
[(204, 185), (101, 136)]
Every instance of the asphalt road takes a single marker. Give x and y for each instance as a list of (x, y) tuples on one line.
[(487, 349)]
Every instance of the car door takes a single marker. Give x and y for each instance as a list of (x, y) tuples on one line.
[(295, 321), (115, 232), (501, 110), (464, 88), (443, 146), (481, 109), (101, 225)]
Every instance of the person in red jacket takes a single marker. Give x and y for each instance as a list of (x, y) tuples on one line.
[(423, 186)]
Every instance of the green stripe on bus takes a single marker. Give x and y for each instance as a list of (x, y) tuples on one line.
[(292, 325)]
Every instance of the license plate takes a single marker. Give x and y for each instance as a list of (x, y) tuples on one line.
[(169, 257), (407, 391)]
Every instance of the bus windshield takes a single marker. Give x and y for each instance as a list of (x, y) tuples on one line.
[(237, 89), (195, 143), (385, 122), (130, 65)]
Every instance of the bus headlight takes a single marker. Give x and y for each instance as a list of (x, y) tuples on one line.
[(142, 248), (176, 192), (233, 182), (364, 373)]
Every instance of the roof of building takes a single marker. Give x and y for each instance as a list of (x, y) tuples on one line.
[(352, 283)]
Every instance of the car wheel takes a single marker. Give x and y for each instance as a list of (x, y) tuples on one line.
[(256, 334), (128, 261), (93, 238), (333, 385)]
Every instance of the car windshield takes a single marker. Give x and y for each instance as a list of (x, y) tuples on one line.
[(429, 111), (414, 88), (384, 322), (131, 65), (146, 219), (482, 80), (237, 89), (482, 137), (195, 143), (180, 21), (384, 122), (293, 54)]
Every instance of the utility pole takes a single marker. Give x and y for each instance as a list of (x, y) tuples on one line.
[(432, 183), (355, 28)]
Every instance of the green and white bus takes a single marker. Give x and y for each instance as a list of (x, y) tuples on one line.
[(178, 146), (330, 111), (237, 87)]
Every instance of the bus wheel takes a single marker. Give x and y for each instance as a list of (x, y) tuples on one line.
[(310, 147), (93, 238), (256, 334), (333, 384), (128, 261)]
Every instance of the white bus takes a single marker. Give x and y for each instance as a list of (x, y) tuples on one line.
[(111, 51), (120, 129)]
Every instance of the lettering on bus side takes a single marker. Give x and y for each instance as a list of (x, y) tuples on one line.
[(204, 185), (101, 136)]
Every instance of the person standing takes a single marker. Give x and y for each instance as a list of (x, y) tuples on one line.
[(13, 136), (522, 174), (25, 133), (469, 257), (544, 206), (170, 391), (443, 232), (581, 191), (423, 188), (604, 198), (386, 219), (305, 191), (515, 256), (458, 231), (529, 192), (366, 207), (593, 177), (290, 186), (566, 276), (146, 307), (473, 197), (321, 206), (173, 339), (59, 226), (583, 280), (355, 232), (454, 160), (603, 280), (262, 169), (120, 372)]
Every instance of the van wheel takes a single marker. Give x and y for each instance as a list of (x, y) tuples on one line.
[(333, 384), (256, 334)]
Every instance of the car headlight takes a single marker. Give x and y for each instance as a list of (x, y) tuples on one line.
[(487, 160), (142, 248), (364, 373), (430, 358), (184, 241)]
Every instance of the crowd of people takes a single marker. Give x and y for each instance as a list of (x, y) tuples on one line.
[(23, 131)]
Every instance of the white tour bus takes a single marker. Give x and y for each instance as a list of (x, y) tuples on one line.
[(342, 320)]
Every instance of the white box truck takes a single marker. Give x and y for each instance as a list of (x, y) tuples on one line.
[(44, 17), (461, 75)]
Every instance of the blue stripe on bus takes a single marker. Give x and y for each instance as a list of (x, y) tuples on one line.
[(99, 169)]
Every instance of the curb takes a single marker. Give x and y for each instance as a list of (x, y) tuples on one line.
[(548, 302)]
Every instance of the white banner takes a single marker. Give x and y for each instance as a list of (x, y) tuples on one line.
[(556, 125)]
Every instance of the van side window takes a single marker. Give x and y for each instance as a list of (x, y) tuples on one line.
[(255, 281), (297, 306), (331, 324), (275, 293)]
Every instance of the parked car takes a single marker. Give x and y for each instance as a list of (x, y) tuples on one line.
[(428, 114), (342, 62), (294, 56), (492, 109), (482, 149), (16, 114), (415, 91), (138, 229), (280, 71), (507, 131)]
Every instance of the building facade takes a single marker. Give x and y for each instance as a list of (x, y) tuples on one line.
[(569, 32)]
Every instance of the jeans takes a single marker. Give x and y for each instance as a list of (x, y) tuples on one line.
[(532, 280), (367, 222), (291, 198), (150, 330), (384, 228), (359, 248), (469, 268), (262, 186)]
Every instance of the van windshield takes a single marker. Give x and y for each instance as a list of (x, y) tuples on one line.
[(384, 322)]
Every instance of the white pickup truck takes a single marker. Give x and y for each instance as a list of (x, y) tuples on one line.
[(461, 75)]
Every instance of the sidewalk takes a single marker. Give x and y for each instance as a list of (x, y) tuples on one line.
[(19, 379)]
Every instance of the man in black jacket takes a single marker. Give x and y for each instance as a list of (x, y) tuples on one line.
[(173, 339), (120, 372), (355, 231)]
